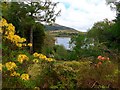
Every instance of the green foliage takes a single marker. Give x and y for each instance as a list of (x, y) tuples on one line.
[(38, 37), (108, 32), (85, 47), (72, 55), (114, 40), (11, 83), (9, 12), (106, 37), (101, 31), (78, 41), (28, 84), (74, 74), (60, 53), (49, 43), (14, 82)]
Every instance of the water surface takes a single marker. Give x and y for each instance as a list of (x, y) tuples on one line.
[(63, 41)]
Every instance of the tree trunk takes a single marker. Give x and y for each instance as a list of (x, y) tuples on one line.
[(31, 40), (31, 34)]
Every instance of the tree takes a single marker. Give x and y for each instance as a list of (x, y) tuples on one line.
[(35, 9), (49, 43), (39, 37), (108, 32), (85, 46), (115, 30), (28, 13), (101, 31)]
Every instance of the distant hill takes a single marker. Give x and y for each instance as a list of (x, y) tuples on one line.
[(61, 31), (57, 27)]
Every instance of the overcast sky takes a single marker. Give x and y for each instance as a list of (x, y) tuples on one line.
[(82, 14)]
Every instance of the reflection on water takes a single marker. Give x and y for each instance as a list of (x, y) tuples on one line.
[(63, 41)]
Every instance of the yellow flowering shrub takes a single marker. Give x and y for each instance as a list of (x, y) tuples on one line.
[(35, 60), (3, 22), (40, 56), (43, 57), (13, 41), (10, 65), (22, 57), (36, 54), (8, 32), (14, 74), (49, 59), (24, 77), (11, 27), (16, 39), (7, 29)]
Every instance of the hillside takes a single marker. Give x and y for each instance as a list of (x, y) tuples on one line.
[(61, 31), (57, 27)]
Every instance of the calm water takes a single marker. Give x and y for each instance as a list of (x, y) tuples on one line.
[(63, 41)]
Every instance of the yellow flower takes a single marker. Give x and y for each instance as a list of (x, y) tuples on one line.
[(41, 56), (0, 66), (1, 31), (24, 77), (11, 33), (49, 59), (36, 54), (30, 44), (11, 27), (20, 60), (35, 60), (14, 74), (22, 57), (10, 65), (19, 45), (22, 40), (3, 22)]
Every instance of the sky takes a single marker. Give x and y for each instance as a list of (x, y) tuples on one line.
[(82, 14)]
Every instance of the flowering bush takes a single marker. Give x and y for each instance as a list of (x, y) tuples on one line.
[(15, 74), (102, 60), (25, 77), (8, 32), (22, 57), (12, 56), (10, 65), (42, 57), (12, 70), (15, 60), (35, 60)]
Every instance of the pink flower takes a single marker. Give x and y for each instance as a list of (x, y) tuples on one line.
[(99, 57), (103, 58)]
